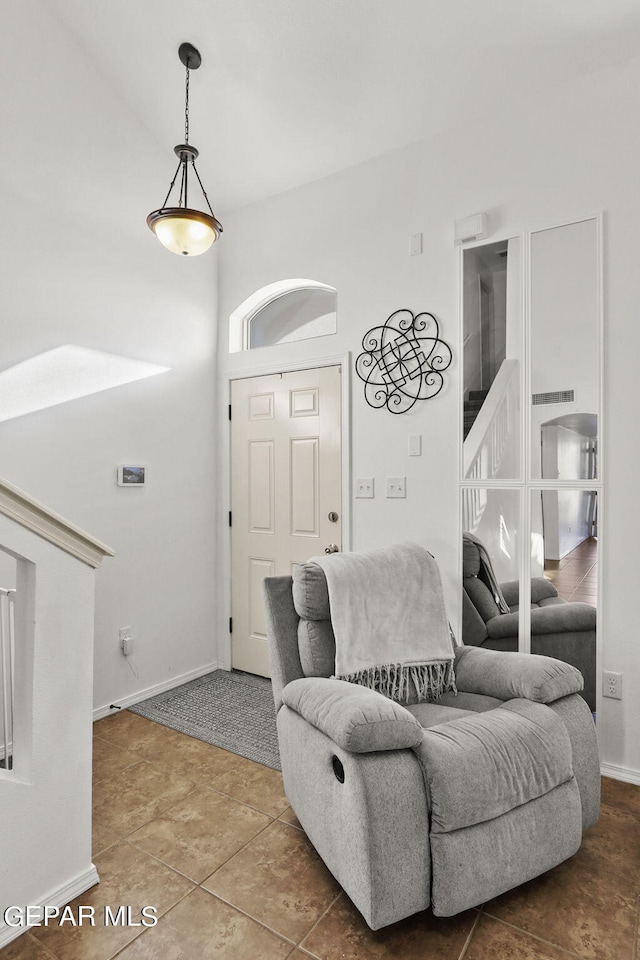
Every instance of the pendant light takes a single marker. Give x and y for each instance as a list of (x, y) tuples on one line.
[(183, 229)]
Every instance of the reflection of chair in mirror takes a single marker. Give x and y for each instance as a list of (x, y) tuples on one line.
[(560, 629)]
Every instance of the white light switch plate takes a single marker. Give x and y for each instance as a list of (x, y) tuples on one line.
[(415, 445), (396, 486), (365, 488)]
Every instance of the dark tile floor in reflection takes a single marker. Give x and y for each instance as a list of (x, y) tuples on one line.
[(209, 839), (576, 576)]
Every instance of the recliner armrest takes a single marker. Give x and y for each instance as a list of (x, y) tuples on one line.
[(511, 592), (356, 718), (541, 589), (555, 618), (510, 676)]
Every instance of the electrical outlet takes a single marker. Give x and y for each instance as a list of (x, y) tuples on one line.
[(126, 640), (612, 685)]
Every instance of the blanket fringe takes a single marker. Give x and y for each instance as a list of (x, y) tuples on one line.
[(430, 680)]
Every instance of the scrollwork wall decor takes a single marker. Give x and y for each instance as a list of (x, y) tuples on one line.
[(402, 361)]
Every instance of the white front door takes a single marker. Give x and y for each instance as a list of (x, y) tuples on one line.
[(286, 490)]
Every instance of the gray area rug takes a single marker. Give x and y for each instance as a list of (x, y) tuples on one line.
[(232, 710)]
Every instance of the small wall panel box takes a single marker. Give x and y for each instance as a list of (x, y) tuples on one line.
[(132, 476), (471, 228)]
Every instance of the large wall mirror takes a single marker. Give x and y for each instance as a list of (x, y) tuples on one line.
[(530, 471)]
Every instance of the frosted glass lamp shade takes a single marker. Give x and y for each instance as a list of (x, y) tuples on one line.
[(183, 230)]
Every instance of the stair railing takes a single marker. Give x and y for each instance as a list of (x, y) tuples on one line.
[(7, 655), (493, 435)]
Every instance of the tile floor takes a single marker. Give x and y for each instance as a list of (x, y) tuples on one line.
[(209, 839), (576, 575)]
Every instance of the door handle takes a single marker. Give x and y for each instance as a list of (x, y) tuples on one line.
[(332, 548)]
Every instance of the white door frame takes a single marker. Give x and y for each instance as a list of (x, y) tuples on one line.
[(310, 363)]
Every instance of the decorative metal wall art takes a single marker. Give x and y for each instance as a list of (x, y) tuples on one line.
[(403, 361)]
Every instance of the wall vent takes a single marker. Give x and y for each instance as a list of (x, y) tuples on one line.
[(555, 396)]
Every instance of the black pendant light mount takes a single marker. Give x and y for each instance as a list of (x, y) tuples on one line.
[(189, 56), (183, 229)]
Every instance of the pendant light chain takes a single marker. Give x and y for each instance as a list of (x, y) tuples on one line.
[(186, 107)]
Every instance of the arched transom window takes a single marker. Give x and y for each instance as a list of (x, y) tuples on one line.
[(281, 312)]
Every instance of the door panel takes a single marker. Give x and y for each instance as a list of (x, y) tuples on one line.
[(303, 484), (261, 486), (261, 406), (286, 480)]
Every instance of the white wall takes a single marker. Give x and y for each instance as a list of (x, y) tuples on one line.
[(79, 265), (7, 571), (557, 160)]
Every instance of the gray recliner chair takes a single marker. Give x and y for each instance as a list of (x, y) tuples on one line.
[(559, 628), (444, 804)]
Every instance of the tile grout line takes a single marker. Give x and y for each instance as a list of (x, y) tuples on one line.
[(47, 949), (249, 916), (467, 942), (239, 850), (307, 953), (205, 786), (156, 816), (198, 883), (318, 921), (196, 787), (527, 933), (158, 859), (148, 929), (129, 838)]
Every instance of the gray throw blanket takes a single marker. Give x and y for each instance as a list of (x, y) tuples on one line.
[(389, 621)]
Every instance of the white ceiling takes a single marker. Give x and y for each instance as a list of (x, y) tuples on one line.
[(292, 90)]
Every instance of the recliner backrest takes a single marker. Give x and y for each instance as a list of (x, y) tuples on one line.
[(316, 641), (475, 587), (480, 595)]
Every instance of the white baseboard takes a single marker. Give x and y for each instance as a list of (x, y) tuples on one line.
[(106, 711), (58, 898), (620, 773)]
